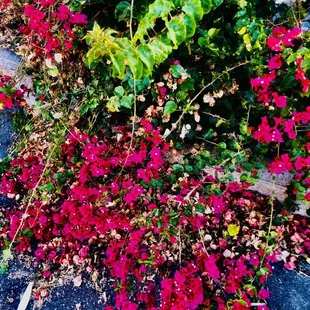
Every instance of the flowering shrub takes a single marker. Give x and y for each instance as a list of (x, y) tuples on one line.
[(123, 202), (288, 121), (93, 193)]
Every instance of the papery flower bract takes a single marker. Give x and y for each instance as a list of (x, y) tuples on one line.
[(263, 294), (291, 35), (275, 62), (281, 164), (280, 101), (79, 19), (274, 43)]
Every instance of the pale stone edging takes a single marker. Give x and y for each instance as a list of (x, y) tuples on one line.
[(266, 186)]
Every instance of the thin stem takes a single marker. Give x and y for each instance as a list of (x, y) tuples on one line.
[(216, 116), (131, 18), (202, 90), (30, 199), (180, 247)]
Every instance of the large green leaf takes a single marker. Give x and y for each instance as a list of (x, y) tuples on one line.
[(305, 64), (122, 11), (190, 25), (216, 3), (136, 66), (118, 61), (194, 8), (206, 5), (176, 31), (147, 57), (142, 30), (161, 8), (126, 102), (161, 51), (170, 107)]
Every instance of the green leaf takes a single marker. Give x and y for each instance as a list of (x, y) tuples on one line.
[(174, 221), (113, 104), (170, 107), (222, 145), (119, 91), (3, 268), (53, 71), (190, 24), (122, 11), (189, 169), (178, 168), (292, 58), (159, 223), (213, 32), (242, 3), (288, 81), (118, 65), (147, 57), (83, 109), (172, 214), (233, 230), (208, 134), (220, 122), (126, 102), (176, 31), (194, 8), (176, 71), (161, 8), (160, 49), (244, 129), (28, 233), (206, 5), (216, 3), (6, 254), (305, 64), (134, 63), (247, 167)]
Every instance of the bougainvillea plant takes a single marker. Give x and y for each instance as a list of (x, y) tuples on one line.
[(122, 201), (287, 125), (103, 193)]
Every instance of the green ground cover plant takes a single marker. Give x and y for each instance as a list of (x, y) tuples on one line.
[(136, 100)]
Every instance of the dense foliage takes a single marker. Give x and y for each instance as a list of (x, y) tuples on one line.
[(137, 101)]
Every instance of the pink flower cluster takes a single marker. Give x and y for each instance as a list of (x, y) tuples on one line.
[(282, 37), (104, 204), (50, 26), (22, 176)]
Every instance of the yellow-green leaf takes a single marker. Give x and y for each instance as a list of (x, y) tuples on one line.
[(147, 57), (118, 61), (6, 254), (233, 230), (176, 31), (194, 8), (190, 25)]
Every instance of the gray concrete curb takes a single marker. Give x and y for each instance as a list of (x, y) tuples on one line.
[(266, 185), (11, 65)]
